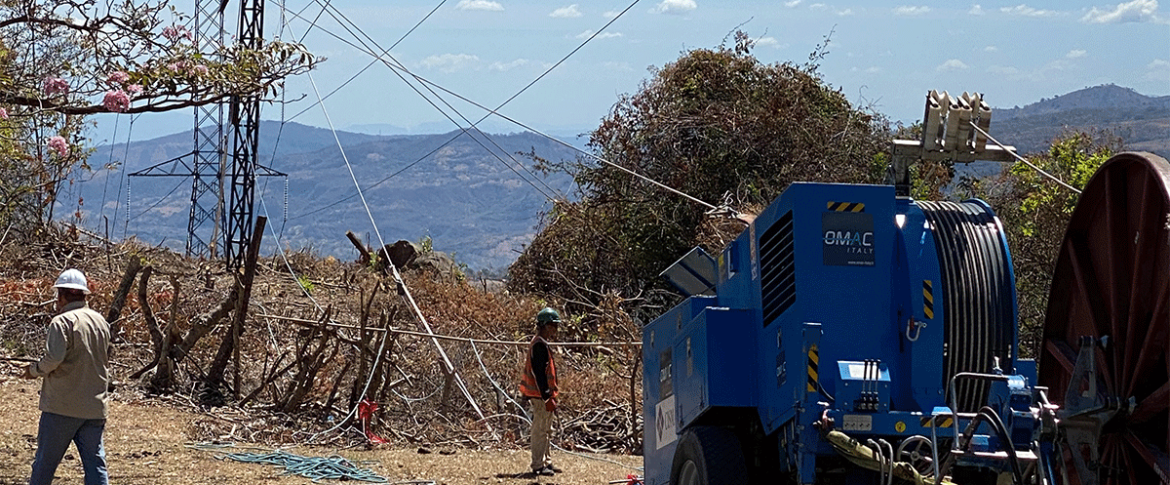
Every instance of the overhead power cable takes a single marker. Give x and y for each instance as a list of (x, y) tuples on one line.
[(398, 66), (371, 64), (159, 201), (404, 291), (385, 53), (284, 120)]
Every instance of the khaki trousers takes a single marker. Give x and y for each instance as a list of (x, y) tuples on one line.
[(541, 426)]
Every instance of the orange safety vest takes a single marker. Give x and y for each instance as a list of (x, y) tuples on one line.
[(528, 385)]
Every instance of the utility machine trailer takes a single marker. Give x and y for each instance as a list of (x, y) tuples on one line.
[(853, 335)]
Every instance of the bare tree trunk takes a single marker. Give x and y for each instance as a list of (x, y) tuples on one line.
[(214, 380), (357, 243), (114, 314)]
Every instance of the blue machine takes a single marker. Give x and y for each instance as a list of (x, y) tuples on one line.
[(843, 310)]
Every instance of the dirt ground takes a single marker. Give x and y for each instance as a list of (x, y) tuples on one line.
[(148, 443)]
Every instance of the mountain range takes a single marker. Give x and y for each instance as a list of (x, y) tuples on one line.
[(472, 194), (1142, 121)]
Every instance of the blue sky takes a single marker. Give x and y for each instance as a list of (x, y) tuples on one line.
[(883, 54)]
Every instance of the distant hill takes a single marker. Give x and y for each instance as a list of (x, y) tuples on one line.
[(1142, 121), (464, 198)]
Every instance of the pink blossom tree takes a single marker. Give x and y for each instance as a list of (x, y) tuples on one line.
[(62, 60)]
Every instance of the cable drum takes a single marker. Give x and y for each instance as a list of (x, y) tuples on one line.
[(978, 294)]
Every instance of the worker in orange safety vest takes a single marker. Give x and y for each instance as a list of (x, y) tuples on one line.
[(539, 385)]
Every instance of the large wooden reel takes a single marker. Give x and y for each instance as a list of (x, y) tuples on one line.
[(1112, 284)]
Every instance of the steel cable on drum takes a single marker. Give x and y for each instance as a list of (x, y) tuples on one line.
[(976, 291)]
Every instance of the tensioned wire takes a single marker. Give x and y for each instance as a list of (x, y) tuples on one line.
[(386, 52), (397, 66), (284, 120), (288, 266), (405, 291), (1026, 162), (264, 205), (368, 66), (358, 187), (366, 49), (397, 276)]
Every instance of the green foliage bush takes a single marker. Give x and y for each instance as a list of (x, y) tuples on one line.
[(716, 124), (1035, 212)]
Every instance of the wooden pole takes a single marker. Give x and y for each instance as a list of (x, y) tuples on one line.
[(245, 295)]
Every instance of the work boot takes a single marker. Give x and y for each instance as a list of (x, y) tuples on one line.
[(553, 468), (546, 471)]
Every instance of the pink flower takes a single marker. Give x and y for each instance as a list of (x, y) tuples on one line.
[(118, 78), (59, 145), (173, 67), (56, 85), (116, 100), (201, 70), (173, 33), (3, 113), (134, 88)]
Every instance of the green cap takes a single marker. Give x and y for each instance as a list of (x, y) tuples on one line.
[(548, 315)]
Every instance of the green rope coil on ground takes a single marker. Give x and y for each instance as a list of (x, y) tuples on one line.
[(314, 468)]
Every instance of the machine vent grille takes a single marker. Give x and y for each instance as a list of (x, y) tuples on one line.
[(777, 269)]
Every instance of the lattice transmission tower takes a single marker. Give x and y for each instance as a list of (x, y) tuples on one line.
[(222, 182)]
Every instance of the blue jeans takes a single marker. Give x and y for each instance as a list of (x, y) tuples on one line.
[(53, 437)]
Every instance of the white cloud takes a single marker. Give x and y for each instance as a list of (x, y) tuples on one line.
[(675, 6), (951, 65), (976, 10), (1158, 71), (1003, 70), (845, 13), (793, 3), (609, 14), (911, 10), (770, 42), (990, 48), (1135, 11), (603, 35), (1026, 11), (480, 5), (1076, 54), (451, 62), (508, 66), (566, 12), (818, 6)]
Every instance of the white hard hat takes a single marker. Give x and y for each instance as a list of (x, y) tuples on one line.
[(72, 279)]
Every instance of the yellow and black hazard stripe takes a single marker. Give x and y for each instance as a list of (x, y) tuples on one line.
[(814, 361), (846, 206), (928, 299), (943, 421)]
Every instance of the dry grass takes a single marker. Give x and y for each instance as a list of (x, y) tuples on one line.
[(422, 411), (146, 445)]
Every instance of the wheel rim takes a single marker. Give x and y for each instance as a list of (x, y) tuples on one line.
[(689, 475), (1112, 280)]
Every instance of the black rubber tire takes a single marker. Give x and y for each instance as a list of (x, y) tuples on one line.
[(714, 454)]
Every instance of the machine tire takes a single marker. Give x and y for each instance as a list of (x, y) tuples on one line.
[(708, 455)]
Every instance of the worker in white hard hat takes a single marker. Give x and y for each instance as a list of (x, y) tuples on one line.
[(75, 389)]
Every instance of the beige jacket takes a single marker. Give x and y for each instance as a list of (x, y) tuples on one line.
[(76, 364)]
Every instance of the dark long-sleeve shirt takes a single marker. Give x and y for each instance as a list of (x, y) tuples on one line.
[(539, 364)]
